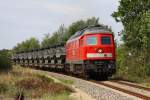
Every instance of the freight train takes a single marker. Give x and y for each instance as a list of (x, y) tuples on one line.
[(89, 52)]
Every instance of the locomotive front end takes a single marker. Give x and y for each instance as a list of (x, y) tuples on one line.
[(91, 51), (100, 53)]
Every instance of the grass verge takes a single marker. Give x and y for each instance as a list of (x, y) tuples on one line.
[(144, 81), (23, 81)]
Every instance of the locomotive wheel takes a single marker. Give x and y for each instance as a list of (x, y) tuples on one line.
[(87, 77), (86, 74), (105, 77), (102, 77)]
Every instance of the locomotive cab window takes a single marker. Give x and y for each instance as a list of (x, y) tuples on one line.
[(92, 40), (105, 40)]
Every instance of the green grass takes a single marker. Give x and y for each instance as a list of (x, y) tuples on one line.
[(146, 84), (145, 81), (62, 96), (69, 82)]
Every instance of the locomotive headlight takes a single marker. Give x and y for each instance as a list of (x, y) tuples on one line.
[(100, 50)]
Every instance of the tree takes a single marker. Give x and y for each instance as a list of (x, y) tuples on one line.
[(74, 27), (57, 37), (92, 21), (78, 25), (46, 41), (135, 17), (5, 60), (27, 45)]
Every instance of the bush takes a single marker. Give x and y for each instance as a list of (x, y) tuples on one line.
[(5, 60), (132, 67)]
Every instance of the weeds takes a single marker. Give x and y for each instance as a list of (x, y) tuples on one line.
[(30, 84), (66, 81), (3, 88)]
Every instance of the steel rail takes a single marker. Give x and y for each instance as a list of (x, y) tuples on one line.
[(132, 85), (125, 91)]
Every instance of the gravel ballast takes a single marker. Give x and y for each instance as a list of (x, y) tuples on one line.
[(96, 91)]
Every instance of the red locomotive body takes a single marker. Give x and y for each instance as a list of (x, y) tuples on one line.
[(93, 49)]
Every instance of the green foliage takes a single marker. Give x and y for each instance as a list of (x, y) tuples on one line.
[(135, 17), (55, 38), (78, 25), (5, 60), (66, 81), (29, 44), (131, 66), (74, 27), (62, 96)]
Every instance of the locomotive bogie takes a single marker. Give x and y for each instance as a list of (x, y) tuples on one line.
[(101, 67)]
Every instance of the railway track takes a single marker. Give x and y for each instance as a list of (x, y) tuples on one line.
[(127, 91), (132, 85)]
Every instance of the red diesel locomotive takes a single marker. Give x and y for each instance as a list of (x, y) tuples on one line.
[(91, 51)]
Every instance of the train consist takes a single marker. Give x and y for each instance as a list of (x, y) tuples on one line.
[(89, 52)]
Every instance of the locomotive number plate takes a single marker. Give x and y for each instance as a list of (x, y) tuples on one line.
[(95, 55)]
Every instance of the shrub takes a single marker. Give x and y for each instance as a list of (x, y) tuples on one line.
[(5, 60), (133, 67)]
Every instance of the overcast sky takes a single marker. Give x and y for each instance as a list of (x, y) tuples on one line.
[(22, 19)]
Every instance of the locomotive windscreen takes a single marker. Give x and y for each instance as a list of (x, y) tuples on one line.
[(105, 40), (91, 40)]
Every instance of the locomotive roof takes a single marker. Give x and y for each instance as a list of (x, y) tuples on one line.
[(91, 29), (96, 30)]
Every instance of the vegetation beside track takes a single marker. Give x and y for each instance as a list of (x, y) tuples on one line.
[(5, 60), (131, 68), (133, 57), (65, 81), (23, 81)]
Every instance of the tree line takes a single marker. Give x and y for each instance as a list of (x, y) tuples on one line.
[(60, 36)]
